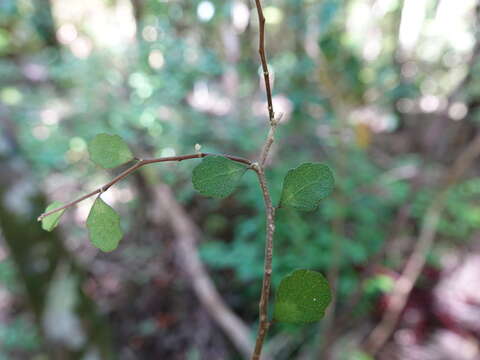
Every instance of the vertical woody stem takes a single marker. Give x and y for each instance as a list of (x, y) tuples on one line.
[(264, 324), (263, 59), (267, 274)]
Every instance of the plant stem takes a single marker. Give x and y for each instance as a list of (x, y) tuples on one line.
[(263, 59), (135, 167), (267, 271), (264, 324)]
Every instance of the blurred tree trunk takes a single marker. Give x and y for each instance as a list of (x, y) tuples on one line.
[(138, 8), (67, 319), (44, 23)]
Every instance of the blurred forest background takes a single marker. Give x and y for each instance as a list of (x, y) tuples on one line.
[(387, 92)]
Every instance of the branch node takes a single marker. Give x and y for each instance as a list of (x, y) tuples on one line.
[(276, 120)]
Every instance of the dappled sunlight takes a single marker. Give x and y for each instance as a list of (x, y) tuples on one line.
[(413, 16), (377, 119), (205, 10), (281, 103), (240, 16), (458, 110), (207, 100), (108, 26)]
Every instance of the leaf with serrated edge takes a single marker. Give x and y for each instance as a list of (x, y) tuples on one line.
[(302, 297), (109, 151), (103, 225), (217, 176), (50, 222), (306, 185)]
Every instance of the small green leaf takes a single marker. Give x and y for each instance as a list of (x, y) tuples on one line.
[(103, 225), (306, 185), (217, 176), (302, 297), (109, 151), (50, 222)]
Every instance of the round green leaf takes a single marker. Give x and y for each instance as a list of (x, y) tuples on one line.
[(306, 185), (217, 176), (302, 297), (103, 225), (50, 222), (109, 151)]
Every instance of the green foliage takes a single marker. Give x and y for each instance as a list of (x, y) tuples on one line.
[(217, 176), (359, 355), (20, 334), (302, 297), (378, 283), (109, 151), (50, 222), (9, 277), (308, 236), (461, 217), (103, 224), (306, 185), (242, 256)]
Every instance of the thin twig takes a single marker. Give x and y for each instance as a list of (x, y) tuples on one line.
[(267, 145), (135, 167), (259, 168), (269, 141), (263, 59)]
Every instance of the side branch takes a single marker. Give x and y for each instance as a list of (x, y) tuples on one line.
[(135, 167)]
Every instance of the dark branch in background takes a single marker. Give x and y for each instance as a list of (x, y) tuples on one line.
[(135, 167), (44, 23), (471, 62), (341, 108)]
